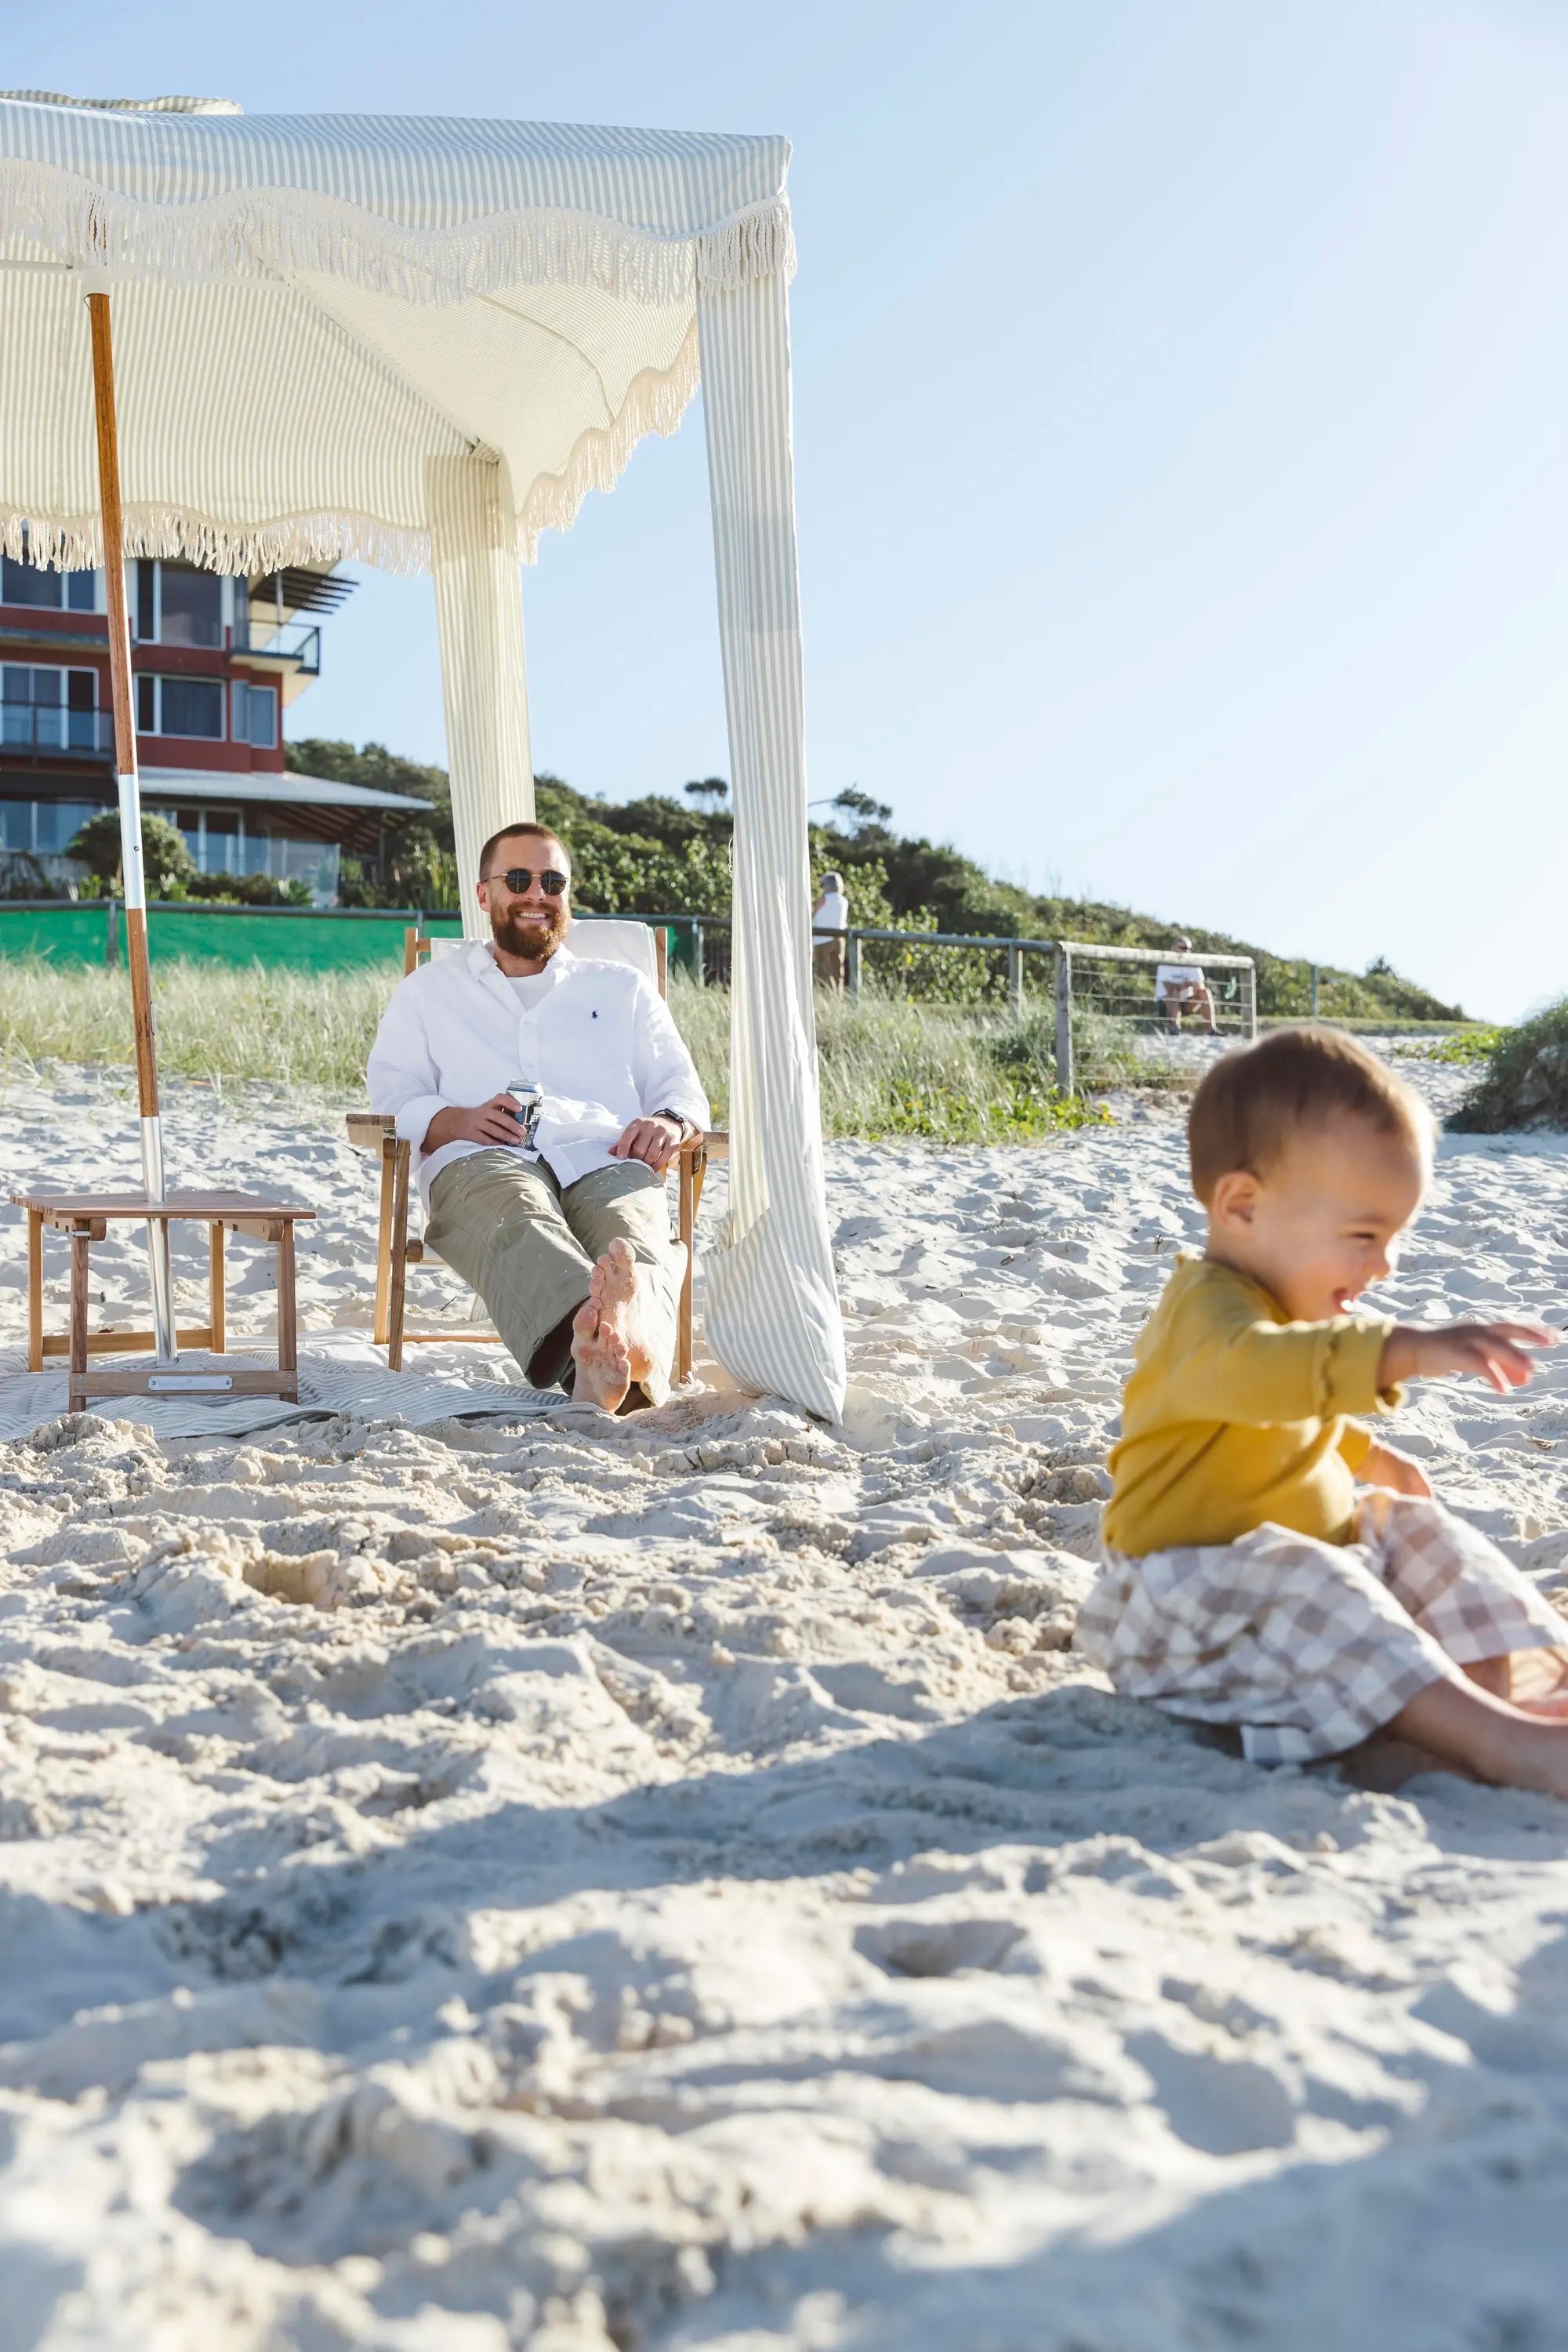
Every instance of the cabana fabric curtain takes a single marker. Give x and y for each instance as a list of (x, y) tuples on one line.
[(421, 344), (484, 680)]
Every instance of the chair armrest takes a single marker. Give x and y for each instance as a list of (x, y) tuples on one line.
[(714, 1145)]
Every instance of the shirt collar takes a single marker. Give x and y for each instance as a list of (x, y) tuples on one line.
[(482, 963)]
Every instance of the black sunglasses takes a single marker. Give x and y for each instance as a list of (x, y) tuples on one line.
[(517, 878)]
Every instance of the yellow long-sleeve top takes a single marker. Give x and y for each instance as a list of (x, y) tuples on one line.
[(1233, 1415)]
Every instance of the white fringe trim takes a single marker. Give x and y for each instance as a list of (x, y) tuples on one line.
[(75, 543), (285, 230), (656, 402)]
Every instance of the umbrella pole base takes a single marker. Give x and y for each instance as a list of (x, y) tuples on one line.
[(158, 1263)]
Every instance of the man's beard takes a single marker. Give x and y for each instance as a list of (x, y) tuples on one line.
[(530, 935)]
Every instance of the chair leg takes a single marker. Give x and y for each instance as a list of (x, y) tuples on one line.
[(35, 1290), (217, 1332), (398, 1269), (384, 1239), (693, 1162)]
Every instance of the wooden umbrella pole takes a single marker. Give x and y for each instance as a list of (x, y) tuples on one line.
[(131, 822)]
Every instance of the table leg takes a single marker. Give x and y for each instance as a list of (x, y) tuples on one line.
[(81, 1242), (288, 1339), (35, 1290), (216, 1308)]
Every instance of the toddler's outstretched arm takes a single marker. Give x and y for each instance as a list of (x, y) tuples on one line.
[(1495, 1350)]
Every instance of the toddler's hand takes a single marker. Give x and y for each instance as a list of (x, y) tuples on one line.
[(1385, 1466), (1494, 1351)]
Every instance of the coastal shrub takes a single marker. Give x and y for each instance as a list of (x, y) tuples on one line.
[(166, 859), (1524, 1082)]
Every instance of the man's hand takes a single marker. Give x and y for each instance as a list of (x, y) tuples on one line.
[(657, 1140), (1385, 1466), (487, 1122), (1494, 1351)]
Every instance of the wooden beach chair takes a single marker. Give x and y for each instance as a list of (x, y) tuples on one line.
[(644, 947)]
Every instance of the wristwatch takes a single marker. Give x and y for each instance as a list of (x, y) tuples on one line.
[(688, 1127)]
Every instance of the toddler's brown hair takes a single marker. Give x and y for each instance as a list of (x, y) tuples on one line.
[(1251, 1103)]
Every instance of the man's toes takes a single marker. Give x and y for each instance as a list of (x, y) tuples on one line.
[(586, 1322)]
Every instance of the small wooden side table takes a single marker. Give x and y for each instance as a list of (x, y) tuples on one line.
[(85, 1218)]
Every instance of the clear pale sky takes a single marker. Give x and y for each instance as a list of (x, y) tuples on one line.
[(1182, 435)]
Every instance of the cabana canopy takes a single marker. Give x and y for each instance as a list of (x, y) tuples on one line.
[(419, 344)]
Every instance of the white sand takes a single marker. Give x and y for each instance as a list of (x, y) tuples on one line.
[(488, 1887)]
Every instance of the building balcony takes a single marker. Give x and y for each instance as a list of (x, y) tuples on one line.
[(261, 644), (39, 734)]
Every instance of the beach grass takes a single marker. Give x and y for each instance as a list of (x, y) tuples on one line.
[(889, 1068)]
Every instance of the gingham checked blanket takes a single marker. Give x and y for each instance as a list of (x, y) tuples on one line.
[(1309, 1647)]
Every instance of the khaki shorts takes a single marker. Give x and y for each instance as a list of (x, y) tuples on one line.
[(527, 1244)]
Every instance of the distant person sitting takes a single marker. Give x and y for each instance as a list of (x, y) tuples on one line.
[(829, 923), (1182, 988)]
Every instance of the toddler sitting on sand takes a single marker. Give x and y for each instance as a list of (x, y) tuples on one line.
[(1246, 1579)]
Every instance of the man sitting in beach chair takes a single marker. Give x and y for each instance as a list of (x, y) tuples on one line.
[(1181, 987), (545, 1094)]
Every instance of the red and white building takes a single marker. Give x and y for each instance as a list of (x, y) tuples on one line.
[(216, 661)]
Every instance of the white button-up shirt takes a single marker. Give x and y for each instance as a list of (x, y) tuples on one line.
[(597, 1042)]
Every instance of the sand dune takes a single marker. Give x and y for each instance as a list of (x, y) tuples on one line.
[(671, 1886)]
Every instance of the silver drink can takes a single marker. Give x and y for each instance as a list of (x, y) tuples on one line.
[(529, 1103)]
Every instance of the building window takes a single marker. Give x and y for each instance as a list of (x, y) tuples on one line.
[(191, 707), (179, 605), (52, 592), (49, 709), (256, 715), (58, 823), (42, 827), (190, 606)]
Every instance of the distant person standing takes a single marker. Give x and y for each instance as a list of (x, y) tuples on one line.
[(1181, 987), (830, 922)]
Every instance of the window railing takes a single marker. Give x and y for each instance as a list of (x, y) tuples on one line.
[(29, 729)]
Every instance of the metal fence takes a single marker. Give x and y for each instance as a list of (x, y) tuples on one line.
[(1121, 989)]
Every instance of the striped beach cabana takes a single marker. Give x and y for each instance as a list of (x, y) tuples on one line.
[(420, 343)]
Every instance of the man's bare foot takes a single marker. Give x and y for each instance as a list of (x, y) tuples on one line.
[(599, 1353), (620, 1288)]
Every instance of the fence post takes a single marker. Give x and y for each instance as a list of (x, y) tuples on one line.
[(1065, 1078), (1314, 992), (698, 960), (852, 963), (1249, 1002), (112, 943), (1016, 979)]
